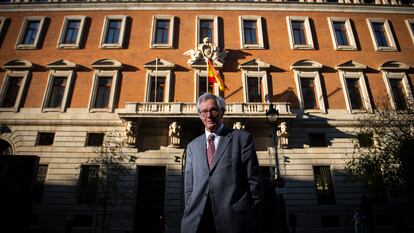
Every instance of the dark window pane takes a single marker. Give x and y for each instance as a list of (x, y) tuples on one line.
[(31, 32), (204, 86), (88, 182), (354, 93), (340, 33), (365, 140), (298, 28), (57, 91), (317, 140), (250, 31), (157, 92), (12, 90), (398, 93), (45, 139), (72, 31), (308, 89), (103, 92), (380, 34), (113, 31), (162, 31), (95, 139), (40, 183), (206, 29), (255, 89), (323, 183)]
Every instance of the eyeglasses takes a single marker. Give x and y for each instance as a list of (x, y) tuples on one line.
[(212, 111)]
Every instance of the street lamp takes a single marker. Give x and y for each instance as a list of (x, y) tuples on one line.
[(272, 115)]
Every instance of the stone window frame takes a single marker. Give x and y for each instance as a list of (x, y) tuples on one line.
[(203, 73), (167, 74), (121, 40), (79, 38), (260, 39), (39, 34), (257, 74), (215, 36), (390, 37), (387, 75), (343, 75), (2, 25), (170, 43), (320, 100), (410, 22), (70, 75), (115, 74), (308, 33), (349, 31)]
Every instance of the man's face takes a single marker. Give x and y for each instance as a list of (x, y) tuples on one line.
[(210, 115)]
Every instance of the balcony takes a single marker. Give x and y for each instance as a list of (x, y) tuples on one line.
[(179, 109)]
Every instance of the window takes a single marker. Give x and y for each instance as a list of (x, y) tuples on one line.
[(12, 91), (71, 33), (355, 91), (207, 26), (256, 87), (162, 32), (57, 91), (40, 183), (113, 32), (342, 34), (408, 22), (365, 140), (88, 183), (324, 185), (251, 32), (105, 85), (317, 140), (300, 33), (398, 94), (45, 139), (95, 139), (308, 92), (3, 21), (202, 84), (158, 84), (381, 35), (30, 33)]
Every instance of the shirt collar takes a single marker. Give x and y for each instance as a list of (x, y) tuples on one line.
[(217, 132)]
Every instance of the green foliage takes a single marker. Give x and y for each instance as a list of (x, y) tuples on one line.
[(381, 163)]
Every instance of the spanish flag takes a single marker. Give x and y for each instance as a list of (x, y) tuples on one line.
[(213, 76)]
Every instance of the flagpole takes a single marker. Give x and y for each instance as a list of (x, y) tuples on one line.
[(156, 79)]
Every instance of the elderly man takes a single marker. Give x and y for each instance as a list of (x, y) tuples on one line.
[(223, 186)]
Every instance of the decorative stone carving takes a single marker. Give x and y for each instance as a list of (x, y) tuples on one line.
[(174, 132), (131, 132), (283, 135), (204, 51), (238, 125)]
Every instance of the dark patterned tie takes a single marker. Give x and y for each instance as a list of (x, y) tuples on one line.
[(210, 149)]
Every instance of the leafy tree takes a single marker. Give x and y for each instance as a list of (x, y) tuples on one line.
[(382, 155), (111, 165)]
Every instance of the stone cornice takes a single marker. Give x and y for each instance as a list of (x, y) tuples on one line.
[(212, 6)]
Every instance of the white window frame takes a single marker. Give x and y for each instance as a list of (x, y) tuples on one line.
[(260, 41), (69, 74), (403, 77), (257, 74), (160, 73), (318, 95), (120, 43), (197, 75), (343, 75), (215, 39), (392, 45), (23, 29), (349, 32), (62, 34), (408, 22), (114, 88), (308, 32), (10, 74), (170, 43)]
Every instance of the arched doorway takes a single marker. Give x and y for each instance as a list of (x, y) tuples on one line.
[(5, 148)]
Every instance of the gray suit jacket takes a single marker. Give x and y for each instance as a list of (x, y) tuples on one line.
[(234, 184)]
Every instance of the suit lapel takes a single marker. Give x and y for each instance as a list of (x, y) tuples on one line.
[(202, 151), (224, 142)]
